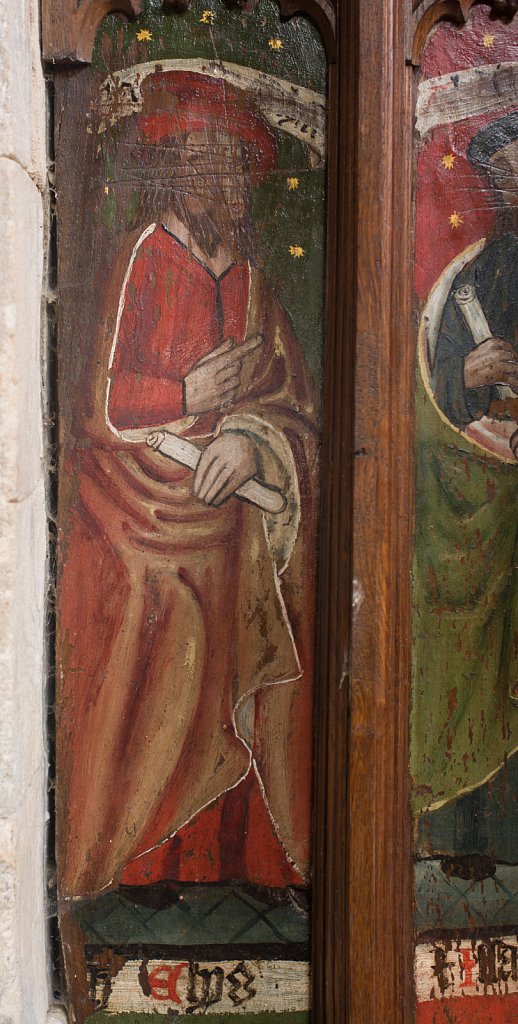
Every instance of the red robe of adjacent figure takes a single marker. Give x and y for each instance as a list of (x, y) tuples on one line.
[(185, 630)]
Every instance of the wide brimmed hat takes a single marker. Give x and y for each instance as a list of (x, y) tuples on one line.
[(180, 102)]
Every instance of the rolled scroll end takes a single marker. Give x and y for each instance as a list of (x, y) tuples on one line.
[(155, 439), (275, 502), (466, 293), (469, 305), (268, 499)]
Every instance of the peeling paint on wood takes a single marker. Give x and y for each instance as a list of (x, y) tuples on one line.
[(190, 357), (464, 714), (451, 968), (198, 987)]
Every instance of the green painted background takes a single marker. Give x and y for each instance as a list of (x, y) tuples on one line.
[(282, 217)]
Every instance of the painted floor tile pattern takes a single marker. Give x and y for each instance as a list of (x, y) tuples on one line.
[(198, 916), (447, 902)]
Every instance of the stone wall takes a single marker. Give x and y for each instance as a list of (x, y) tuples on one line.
[(24, 988)]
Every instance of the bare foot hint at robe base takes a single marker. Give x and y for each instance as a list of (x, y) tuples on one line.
[(190, 354)]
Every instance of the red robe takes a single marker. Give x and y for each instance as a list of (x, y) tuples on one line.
[(170, 295), (185, 631)]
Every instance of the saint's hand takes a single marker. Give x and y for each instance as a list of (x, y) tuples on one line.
[(493, 362), (224, 466), (214, 382)]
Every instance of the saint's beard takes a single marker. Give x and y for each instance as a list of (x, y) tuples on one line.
[(218, 226)]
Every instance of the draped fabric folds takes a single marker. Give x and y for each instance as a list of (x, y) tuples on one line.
[(464, 713), (185, 631)]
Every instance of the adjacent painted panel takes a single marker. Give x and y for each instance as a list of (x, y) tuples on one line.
[(465, 684), (191, 301)]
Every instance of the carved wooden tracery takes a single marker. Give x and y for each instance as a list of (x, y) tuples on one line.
[(69, 26), (322, 12), (427, 13)]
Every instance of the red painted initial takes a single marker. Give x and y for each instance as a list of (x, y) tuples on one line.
[(468, 963), (163, 982)]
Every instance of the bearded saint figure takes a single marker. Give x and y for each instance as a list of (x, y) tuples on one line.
[(465, 708), (186, 614)]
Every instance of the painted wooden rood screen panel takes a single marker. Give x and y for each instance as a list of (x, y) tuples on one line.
[(190, 165), (465, 681)]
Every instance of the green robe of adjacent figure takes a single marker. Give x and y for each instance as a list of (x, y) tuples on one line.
[(464, 724)]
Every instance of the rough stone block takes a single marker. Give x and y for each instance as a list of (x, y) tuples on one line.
[(23, 950), (22, 88)]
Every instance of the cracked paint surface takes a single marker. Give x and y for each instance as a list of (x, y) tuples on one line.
[(190, 460), (464, 722)]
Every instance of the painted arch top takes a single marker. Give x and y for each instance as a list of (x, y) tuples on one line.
[(69, 27), (427, 13)]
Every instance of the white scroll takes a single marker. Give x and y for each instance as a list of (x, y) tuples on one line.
[(471, 309), (268, 499)]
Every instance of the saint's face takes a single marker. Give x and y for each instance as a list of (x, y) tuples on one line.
[(212, 191)]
